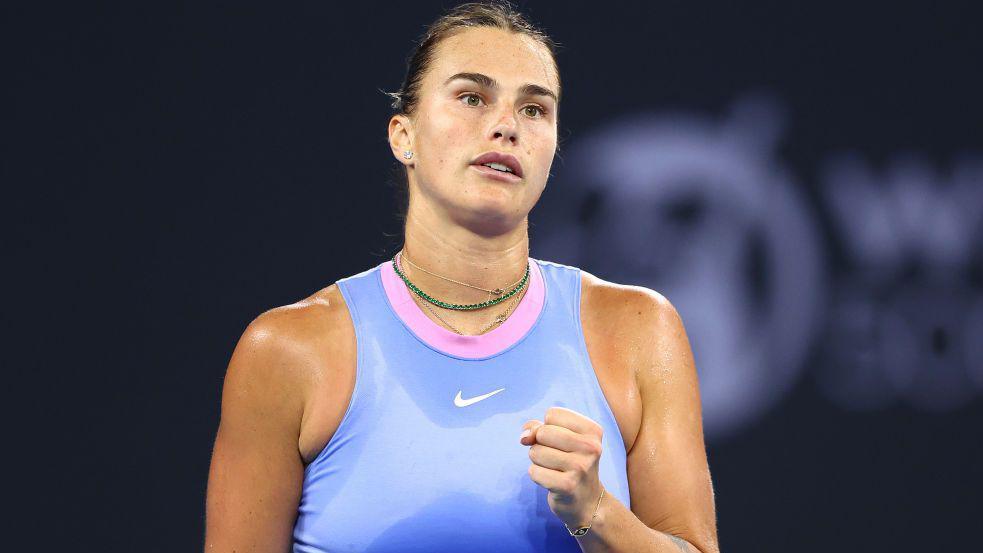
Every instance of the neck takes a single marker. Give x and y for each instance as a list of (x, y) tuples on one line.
[(484, 260)]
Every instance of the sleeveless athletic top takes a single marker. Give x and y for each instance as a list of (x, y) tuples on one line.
[(421, 462)]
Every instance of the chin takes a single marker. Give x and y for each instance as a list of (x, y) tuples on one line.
[(490, 217)]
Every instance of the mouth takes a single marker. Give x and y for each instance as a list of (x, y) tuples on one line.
[(505, 165), (495, 174)]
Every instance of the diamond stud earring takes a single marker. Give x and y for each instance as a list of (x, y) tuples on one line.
[(408, 154)]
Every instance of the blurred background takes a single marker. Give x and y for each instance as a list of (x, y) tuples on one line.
[(803, 180)]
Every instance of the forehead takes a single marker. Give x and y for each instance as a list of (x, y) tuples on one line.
[(512, 59)]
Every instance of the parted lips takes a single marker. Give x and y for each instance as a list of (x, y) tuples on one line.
[(503, 160)]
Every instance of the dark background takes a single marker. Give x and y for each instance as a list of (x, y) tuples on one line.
[(171, 171)]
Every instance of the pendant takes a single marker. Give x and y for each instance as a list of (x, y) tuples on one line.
[(498, 291)]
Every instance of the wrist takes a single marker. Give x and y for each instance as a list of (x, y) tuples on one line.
[(590, 521)]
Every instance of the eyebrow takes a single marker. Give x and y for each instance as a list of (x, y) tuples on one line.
[(488, 82)]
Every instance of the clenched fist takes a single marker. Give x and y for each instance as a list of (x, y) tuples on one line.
[(565, 450)]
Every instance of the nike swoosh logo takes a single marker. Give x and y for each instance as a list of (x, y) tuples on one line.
[(465, 402)]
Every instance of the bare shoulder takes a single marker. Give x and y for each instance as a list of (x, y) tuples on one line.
[(622, 299), (302, 322), (256, 473), (623, 326), (288, 348), (630, 309), (668, 473), (645, 323), (307, 319)]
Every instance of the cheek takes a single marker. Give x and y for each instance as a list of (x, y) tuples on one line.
[(544, 152), (447, 124), (445, 135)]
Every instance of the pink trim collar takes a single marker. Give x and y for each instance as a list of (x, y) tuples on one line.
[(446, 341)]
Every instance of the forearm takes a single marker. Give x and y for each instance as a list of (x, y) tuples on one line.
[(617, 530)]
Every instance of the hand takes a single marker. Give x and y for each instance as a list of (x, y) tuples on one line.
[(565, 452)]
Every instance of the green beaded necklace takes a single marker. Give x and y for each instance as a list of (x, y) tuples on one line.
[(457, 306)]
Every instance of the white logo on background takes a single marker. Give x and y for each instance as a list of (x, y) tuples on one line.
[(465, 402)]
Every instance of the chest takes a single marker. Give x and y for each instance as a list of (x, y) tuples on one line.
[(409, 460), (611, 360)]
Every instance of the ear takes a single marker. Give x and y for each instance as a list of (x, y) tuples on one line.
[(401, 138)]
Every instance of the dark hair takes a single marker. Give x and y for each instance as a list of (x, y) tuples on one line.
[(498, 14)]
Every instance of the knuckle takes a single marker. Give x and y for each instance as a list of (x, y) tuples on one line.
[(590, 446), (570, 484)]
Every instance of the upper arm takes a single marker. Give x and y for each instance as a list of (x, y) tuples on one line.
[(256, 473), (668, 473)]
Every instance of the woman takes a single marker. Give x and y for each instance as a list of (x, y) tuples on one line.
[(463, 396)]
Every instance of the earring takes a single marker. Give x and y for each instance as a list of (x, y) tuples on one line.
[(407, 154)]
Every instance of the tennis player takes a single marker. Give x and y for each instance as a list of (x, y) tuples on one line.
[(464, 396)]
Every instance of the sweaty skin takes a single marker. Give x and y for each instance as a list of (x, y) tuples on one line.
[(292, 373)]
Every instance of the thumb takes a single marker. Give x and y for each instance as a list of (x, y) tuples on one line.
[(528, 436)]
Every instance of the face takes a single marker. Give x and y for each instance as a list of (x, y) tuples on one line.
[(487, 91)]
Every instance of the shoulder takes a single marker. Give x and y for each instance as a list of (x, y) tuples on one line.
[(633, 305), (257, 469), (643, 323), (299, 326), (290, 346), (668, 474), (303, 322), (601, 295)]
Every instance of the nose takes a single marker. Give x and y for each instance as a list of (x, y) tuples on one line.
[(506, 127)]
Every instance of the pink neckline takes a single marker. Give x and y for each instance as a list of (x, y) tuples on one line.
[(446, 341)]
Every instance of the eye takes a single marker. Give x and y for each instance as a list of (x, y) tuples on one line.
[(536, 111), (469, 97)]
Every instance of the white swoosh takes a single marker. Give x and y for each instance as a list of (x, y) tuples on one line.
[(465, 402)]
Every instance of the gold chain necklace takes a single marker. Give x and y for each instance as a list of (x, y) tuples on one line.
[(499, 319), (496, 291)]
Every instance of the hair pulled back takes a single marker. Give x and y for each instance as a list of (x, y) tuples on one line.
[(497, 14)]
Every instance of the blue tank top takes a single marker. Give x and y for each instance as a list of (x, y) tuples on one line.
[(408, 470)]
